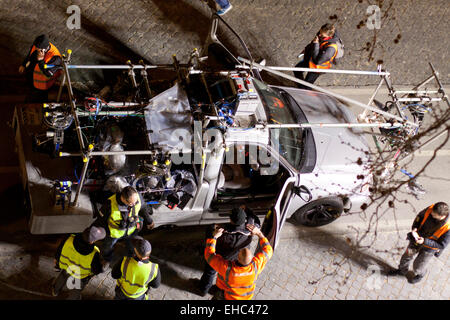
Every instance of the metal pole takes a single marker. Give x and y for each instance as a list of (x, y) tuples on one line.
[(441, 88), (109, 153), (437, 136), (81, 183), (373, 96), (73, 107), (69, 53), (338, 96), (355, 72), (330, 125)]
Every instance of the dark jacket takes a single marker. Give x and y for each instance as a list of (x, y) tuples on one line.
[(116, 273), (83, 248), (32, 59), (234, 237), (430, 226), (320, 56), (105, 211)]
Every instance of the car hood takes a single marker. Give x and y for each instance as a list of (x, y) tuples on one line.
[(335, 147)]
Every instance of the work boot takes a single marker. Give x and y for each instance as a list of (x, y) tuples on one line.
[(415, 279), (198, 288), (397, 272)]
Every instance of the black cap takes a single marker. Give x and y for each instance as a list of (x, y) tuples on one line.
[(142, 246), (238, 216), (41, 42), (93, 234)]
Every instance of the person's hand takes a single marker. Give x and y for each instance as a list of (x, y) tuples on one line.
[(316, 39), (21, 69), (217, 232), (150, 226), (255, 230), (420, 240)]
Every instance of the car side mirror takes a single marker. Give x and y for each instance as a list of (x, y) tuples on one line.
[(303, 192)]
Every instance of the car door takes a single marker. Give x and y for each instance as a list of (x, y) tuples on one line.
[(276, 216)]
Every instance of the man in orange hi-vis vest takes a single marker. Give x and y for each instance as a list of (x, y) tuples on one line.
[(319, 54), (40, 77), (236, 279), (429, 236)]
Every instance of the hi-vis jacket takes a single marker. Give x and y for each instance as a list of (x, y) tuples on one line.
[(122, 222), (437, 239), (324, 53), (76, 264), (136, 277), (237, 282), (44, 80)]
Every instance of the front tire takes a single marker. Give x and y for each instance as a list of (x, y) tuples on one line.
[(319, 212)]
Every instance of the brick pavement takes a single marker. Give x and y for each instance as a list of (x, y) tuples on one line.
[(318, 265), (412, 32)]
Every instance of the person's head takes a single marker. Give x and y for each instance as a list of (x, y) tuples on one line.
[(440, 211), (142, 248), (327, 30), (245, 256), (93, 234), (42, 43), (129, 196), (238, 216)]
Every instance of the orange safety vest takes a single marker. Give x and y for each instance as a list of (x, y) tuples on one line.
[(439, 232), (237, 282), (40, 80), (326, 64)]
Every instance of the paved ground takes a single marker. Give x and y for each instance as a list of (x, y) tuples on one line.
[(316, 264)]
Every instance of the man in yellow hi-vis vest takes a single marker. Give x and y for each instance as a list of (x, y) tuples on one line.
[(123, 216), (429, 237), (79, 260), (136, 274)]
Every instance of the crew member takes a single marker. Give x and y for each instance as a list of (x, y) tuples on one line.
[(123, 215), (236, 279), (136, 274), (429, 236), (319, 54), (40, 77), (79, 260), (234, 238)]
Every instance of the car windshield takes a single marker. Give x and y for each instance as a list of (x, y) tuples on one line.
[(278, 112)]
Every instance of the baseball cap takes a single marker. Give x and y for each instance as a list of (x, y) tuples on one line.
[(238, 216), (142, 246), (93, 234)]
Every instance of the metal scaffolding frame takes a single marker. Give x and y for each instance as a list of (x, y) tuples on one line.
[(86, 152)]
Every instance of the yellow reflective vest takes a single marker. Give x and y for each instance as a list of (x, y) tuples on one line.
[(76, 264), (115, 219), (136, 276)]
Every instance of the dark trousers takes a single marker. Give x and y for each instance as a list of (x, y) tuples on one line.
[(421, 259), (310, 77), (208, 277), (66, 281)]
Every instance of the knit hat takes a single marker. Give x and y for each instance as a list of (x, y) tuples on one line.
[(41, 42), (93, 234), (142, 246), (238, 216)]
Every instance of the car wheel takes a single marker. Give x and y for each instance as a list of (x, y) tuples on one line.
[(319, 212)]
